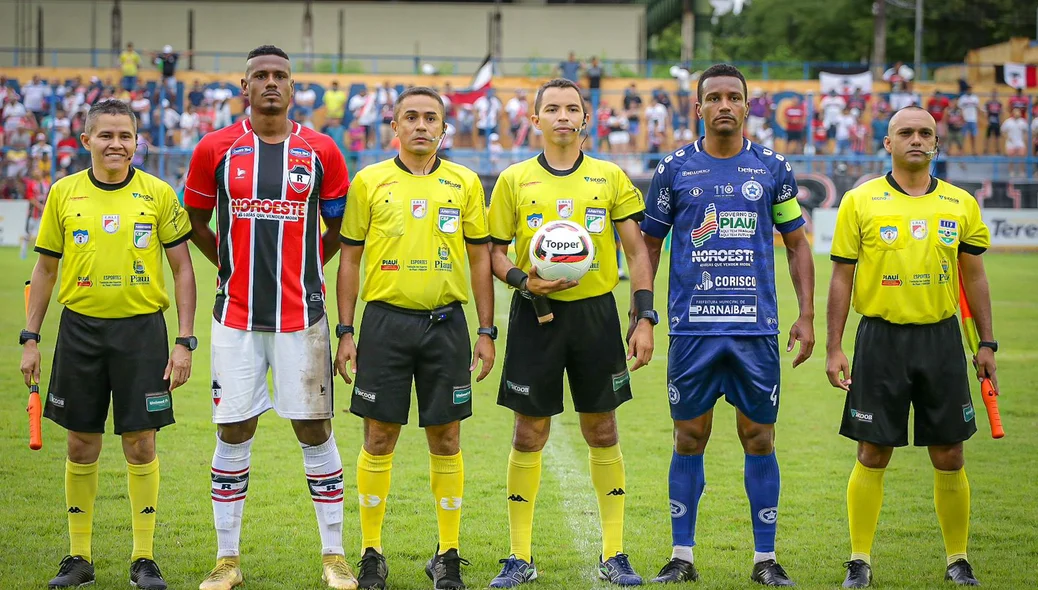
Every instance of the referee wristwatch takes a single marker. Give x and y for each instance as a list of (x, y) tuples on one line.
[(992, 344), (342, 330), (188, 342), (26, 336), (651, 315), (491, 331)]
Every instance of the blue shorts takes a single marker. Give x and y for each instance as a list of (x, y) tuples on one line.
[(744, 369), (970, 129)]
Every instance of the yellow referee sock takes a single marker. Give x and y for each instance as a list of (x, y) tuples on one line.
[(144, 497), (864, 500), (447, 476), (373, 476), (607, 475), (80, 491), (524, 479), (951, 498)]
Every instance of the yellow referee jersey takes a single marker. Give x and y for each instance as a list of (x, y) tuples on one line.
[(414, 230), (594, 193), (110, 239), (905, 248)]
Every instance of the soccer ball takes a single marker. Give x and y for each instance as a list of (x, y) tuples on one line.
[(561, 250)]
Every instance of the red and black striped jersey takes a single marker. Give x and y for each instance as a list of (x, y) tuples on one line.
[(268, 231)]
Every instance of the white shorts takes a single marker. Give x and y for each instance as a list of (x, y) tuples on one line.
[(753, 125), (302, 366)]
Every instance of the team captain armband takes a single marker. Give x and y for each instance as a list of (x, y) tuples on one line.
[(786, 211), (333, 208)]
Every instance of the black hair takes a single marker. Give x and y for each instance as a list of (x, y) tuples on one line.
[(267, 50), (420, 91), (720, 71), (109, 106), (558, 83)]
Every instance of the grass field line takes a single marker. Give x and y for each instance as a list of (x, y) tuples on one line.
[(561, 458), (578, 503)]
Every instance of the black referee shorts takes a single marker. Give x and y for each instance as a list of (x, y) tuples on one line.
[(897, 366), (123, 359), (583, 340), (399, 345)]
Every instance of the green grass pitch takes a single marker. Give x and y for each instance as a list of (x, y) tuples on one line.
[(280, 542)]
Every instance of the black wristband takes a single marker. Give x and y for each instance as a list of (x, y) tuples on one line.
[(515, 277), (642, 300)]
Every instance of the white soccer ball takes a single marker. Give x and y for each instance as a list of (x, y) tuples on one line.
[(561, 250)]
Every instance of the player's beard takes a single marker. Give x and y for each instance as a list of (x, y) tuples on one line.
[(271, 109)]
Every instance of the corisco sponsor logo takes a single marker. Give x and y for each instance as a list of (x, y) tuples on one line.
[(268, 209)]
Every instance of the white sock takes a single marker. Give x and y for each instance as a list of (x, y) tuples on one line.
[(324, 477), (682, 552), (230, 478), (759, 557)]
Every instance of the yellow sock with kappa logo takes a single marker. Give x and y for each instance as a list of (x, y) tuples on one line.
[(609, 479), (80, 492), (143, 482)]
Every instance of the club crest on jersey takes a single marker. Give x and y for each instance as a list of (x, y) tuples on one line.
[(752, 190), (419, 207), (448, 221), (534, 220), (948, 231), (918, 229), (299, 178), (110, 223), (141, 235), (565, 208), (888, 233), (594, 219), (80, 237)]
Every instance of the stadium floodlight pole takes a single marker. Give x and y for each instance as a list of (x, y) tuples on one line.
[(919, 39)]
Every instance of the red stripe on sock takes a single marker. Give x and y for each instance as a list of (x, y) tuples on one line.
[(222, 472)]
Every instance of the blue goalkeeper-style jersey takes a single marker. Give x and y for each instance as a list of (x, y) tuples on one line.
[(723, 213)]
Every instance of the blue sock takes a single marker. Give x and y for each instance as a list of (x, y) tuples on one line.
[(687, 481), (762, 488)]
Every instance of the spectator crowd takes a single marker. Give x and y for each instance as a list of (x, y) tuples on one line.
[(41, 120)]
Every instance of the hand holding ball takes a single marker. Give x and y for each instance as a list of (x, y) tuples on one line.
[(561, 250)]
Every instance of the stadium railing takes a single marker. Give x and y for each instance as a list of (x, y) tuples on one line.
[(333, 63)]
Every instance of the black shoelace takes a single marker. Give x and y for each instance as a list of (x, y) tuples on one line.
[(369, 566), (148, 568), (67, 563), (452, 566)]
